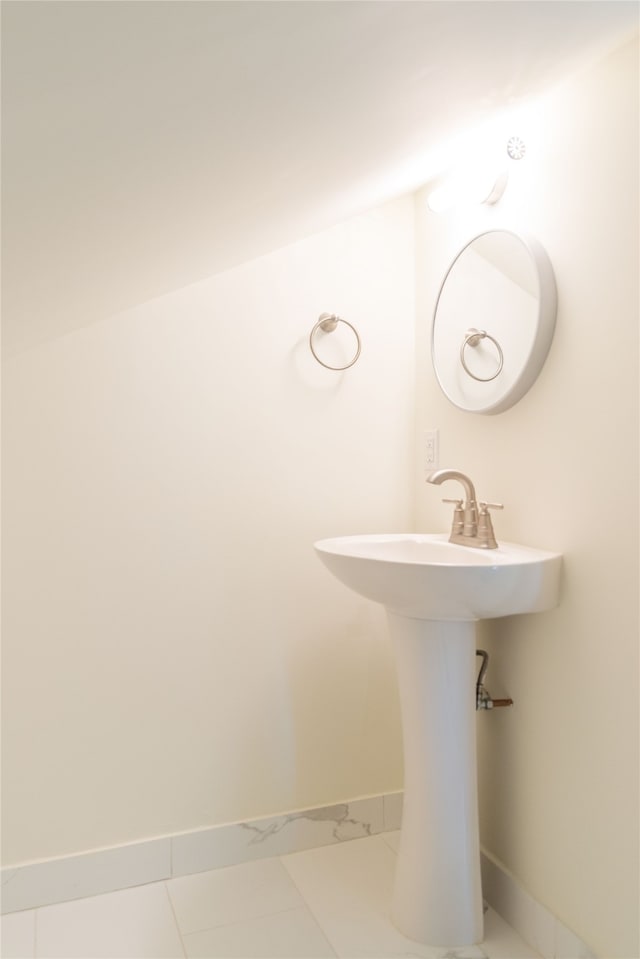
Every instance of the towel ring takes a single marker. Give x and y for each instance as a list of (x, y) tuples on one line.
[(327, 323), (471, 338)]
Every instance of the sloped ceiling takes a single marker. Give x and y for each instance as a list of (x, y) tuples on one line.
[(147, 145)]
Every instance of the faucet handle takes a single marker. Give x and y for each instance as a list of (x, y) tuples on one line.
[(485, 507), (458, 502)]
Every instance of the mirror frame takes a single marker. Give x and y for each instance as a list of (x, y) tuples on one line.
[(545, 325)]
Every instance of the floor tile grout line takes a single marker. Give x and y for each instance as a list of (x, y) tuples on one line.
[(337, 953), (240, 922), (282, 860), (388, 844), (175, 918), (35, 933), (324, 932)]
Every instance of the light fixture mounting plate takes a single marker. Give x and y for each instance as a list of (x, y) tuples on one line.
[(516, 148)]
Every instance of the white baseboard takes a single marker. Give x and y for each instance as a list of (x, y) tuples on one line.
[(532, 921), (106, 870), (120, 867)]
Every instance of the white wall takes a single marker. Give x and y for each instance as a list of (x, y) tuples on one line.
[(175, 656), (559, 772)]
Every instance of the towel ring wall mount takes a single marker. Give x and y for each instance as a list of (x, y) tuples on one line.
[(327, 323), (472, 338)]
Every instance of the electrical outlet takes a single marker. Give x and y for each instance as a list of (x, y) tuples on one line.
[(431, 451)]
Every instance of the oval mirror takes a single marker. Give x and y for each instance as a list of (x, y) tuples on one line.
[(493, 322)]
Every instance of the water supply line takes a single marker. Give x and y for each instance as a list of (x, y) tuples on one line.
[(483, 697)]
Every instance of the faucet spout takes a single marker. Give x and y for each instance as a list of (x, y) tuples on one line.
[(439, 476), (470, 527)]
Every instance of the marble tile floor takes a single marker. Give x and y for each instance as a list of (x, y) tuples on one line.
[(323, 902)]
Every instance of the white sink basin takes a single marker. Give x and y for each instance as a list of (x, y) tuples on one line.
[(423, 576), (434, 592)]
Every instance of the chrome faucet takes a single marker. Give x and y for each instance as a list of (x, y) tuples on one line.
[(472, 524)]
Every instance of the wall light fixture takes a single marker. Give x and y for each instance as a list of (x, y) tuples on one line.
[(482, 181), (467, 187)]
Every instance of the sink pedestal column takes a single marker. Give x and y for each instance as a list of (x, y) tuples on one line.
[(438, 893)]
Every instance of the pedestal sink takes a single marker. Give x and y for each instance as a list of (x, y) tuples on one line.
[(434, 591)]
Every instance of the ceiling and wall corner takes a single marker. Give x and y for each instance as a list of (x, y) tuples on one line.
[(146, 146)]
